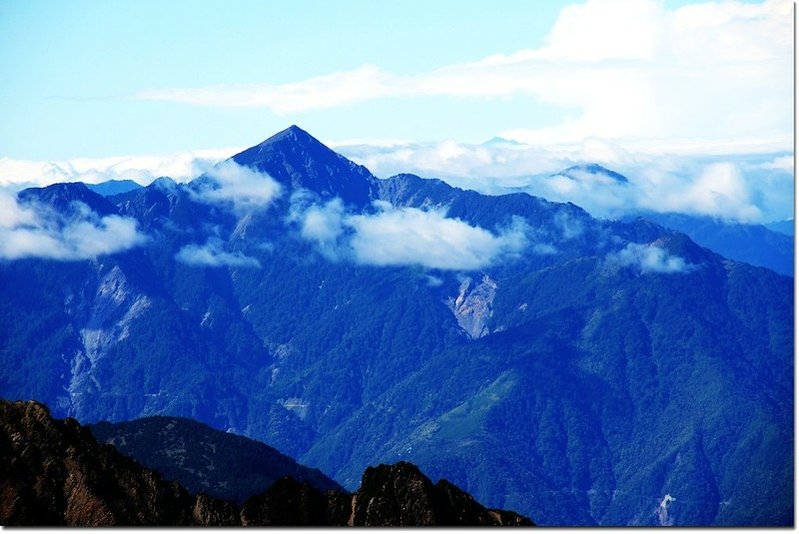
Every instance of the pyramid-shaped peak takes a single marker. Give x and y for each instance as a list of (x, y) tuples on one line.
[(293, 134), (296, 159)]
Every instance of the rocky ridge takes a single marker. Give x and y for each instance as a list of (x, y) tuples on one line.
[(53, 472)]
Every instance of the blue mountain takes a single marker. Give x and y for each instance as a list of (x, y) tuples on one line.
[(606, 373), (65, 198), (297, 160), (783, 227), (577, 172), (751, 243), (113, 187)]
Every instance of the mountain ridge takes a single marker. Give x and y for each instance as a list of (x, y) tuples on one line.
[(223, 465)]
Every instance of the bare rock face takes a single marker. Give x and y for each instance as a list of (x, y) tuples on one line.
[(473, 306), (53, 472), (400, 495)]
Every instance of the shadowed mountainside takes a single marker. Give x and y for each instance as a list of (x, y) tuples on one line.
[(222, 464)]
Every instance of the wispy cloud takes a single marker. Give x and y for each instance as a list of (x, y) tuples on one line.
[(329, 90), (212, 254), (31, 230), (237, 186), (632, 68), (649, 259), (324, 225)]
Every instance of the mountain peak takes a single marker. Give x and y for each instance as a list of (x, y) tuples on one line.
[(292, 136), (110, 188), (296, 159), (63, 196), (578, 172), (293, 133)]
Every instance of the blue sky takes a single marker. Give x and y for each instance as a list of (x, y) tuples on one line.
[(74, 71), (69, 66)]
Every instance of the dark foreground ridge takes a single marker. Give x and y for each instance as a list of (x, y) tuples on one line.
[(54, 472)]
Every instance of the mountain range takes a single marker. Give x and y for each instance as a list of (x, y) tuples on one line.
[(762, 245), (579, 371)]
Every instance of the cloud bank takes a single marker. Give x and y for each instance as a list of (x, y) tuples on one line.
[(212, 254), (239, 187), (407, 236), (649, 259), (31, 230), (742, 187), (143, 169)]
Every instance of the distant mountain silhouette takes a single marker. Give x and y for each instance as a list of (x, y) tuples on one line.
[(114, 187), (752, 243), (592, 169)]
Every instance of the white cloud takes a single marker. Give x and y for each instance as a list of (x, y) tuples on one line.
[(240, 187), (12, 214), (211, 254), (569, 226), (737, 187), (143, 169), (719, 189), (323, 224), (30, 230), (717, 72), (109, 234), (458, 162), (649, 259), (405, 236), (329, 90), (780, 163), (409, 236)]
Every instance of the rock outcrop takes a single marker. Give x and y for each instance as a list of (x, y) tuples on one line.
[(54, 472)]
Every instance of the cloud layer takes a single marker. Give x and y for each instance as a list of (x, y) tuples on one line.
[(143, 169), (33, 231)]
